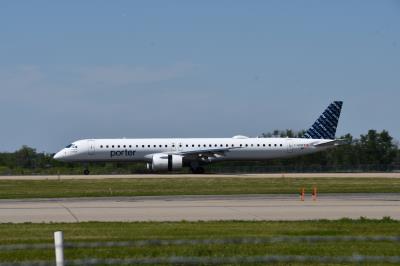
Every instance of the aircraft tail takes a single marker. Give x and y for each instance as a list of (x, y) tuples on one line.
[(325, 126)]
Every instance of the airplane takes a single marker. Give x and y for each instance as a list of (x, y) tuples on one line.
[(171, 154)]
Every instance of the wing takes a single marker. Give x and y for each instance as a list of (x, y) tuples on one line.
[(205, 154)]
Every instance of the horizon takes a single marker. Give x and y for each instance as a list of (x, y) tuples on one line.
[(395, 141)]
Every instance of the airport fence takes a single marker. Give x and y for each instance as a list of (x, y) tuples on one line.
[(223, 167), (243, 168), (59, 247)]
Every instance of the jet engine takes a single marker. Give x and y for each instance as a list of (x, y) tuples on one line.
[(165, 162)]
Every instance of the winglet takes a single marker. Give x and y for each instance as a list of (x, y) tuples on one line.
[(325, 126)]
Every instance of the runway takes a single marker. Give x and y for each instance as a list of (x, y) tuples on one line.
[(149, 176), (205, 208)]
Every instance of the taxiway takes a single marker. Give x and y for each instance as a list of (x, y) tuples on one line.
[(196, 208)]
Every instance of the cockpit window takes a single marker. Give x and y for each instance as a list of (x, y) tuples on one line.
[(71, 146)]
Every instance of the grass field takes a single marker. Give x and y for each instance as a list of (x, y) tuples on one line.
[(10, 189), (96, 231)]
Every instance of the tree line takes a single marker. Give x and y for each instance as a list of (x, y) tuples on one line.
[(373, 151)]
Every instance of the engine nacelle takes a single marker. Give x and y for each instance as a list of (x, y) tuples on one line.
[(166, 162)]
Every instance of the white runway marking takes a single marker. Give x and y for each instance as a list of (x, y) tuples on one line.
[(194, 208)]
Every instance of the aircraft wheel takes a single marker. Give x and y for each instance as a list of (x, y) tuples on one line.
[(86, 171), (198, 170)]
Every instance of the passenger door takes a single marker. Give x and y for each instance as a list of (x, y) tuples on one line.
[(91, 146), (290, 147)]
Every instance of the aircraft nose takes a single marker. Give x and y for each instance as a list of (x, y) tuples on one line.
[(59, 155)]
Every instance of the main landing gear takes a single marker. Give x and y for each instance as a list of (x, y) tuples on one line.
[(197, 170)]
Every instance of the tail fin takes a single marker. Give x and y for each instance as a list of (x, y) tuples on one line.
[(326, 124)]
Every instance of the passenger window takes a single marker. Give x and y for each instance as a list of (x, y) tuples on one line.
[(166, 146), (247, 145), (119, 146), (275, 145), (173, 146), (160, 146), (112, 146), (192, 145), (240, 145), (142, 146), (180, 145), (263, 145), (101, 146), (130, 146), (137, 146), (281, 145), (106, 146), (155, 146), (251, 145), (269, 145)]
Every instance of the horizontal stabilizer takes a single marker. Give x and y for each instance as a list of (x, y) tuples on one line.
[(335, 142)]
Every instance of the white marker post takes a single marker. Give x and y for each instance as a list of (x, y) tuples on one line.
[(59, 247)]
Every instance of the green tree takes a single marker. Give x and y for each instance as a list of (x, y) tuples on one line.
[(374, 149), (377, 148), (25, 157)]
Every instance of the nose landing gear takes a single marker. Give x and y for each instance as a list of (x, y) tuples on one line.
[(86, 170)]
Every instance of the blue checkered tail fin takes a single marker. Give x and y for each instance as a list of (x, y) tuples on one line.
[(326, 124)]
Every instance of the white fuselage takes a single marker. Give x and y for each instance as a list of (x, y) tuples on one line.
[(142, 150)]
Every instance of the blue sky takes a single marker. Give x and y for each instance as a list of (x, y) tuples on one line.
[(94, 69)]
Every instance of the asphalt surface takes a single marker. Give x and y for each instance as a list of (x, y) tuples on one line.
[(195, 208), (274, 175)]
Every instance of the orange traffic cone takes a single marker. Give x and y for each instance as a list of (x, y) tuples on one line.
[(302, 194), (314, 193)]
